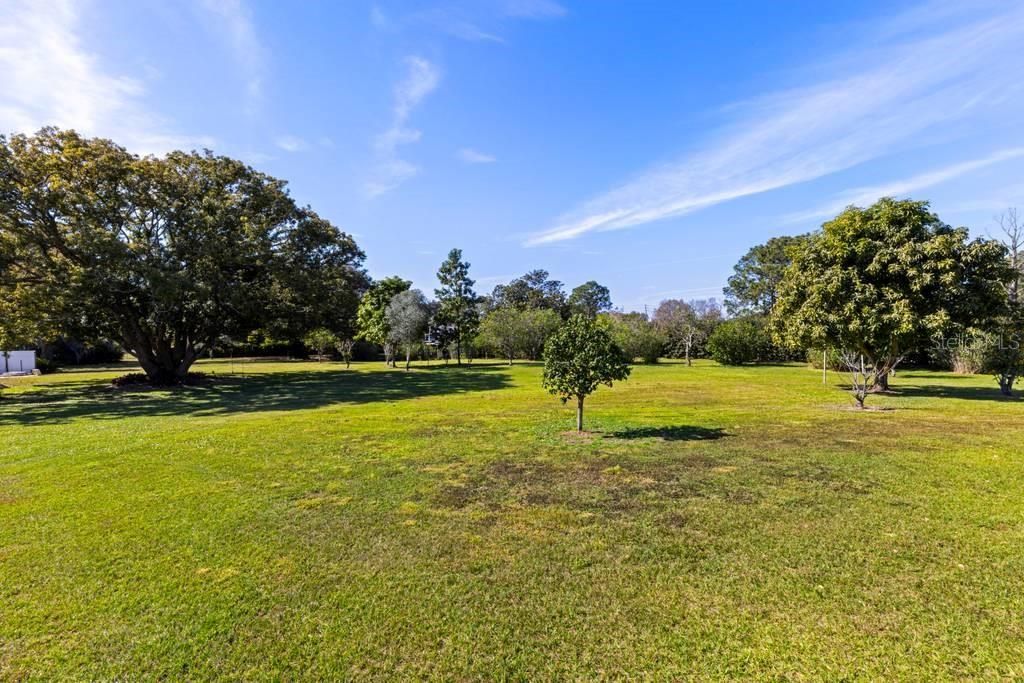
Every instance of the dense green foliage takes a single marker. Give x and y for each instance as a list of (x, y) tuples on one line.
[(589, 299), (754, 284), (580, 357), (372, 313), (163, 255), (885, 280), (636, 336), (518, 333), (320, 340), (740, 340), (534, 290)]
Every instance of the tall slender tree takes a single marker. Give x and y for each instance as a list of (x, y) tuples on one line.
[(457, 302)]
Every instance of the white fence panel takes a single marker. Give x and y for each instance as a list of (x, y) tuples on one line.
[(18, 361)]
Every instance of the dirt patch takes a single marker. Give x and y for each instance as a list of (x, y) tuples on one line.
[(596, 486)]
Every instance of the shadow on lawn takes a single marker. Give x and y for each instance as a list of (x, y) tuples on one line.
[(233, 394), (679, 433), (944, 391)]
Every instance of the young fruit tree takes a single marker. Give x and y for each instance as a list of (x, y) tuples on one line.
[(344, 348), (580, 357), (1004, 355), (881, 281), (320, 340), (407, 316)]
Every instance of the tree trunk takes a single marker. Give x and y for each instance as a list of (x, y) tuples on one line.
[(164, 369), (458, 352), (408, 356), (881, 383), (1006, 384), (579, 414), (688, 362)]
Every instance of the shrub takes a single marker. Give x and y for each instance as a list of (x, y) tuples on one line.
[(636, 335), (739, 341)]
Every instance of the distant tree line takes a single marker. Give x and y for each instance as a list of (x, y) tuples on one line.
[(177, 257)]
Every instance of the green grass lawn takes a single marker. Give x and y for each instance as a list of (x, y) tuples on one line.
[(303, 520)]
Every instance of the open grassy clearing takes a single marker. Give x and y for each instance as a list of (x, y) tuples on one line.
[(305, 520)]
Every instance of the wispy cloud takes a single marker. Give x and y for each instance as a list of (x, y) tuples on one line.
[(472, 22), (925, 83), (420, 80), (534, 9), (48, 77), (863, 196), (234, 21), (291, 143), (471, 156)]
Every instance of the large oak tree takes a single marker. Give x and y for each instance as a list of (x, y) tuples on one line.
[(164, 255)]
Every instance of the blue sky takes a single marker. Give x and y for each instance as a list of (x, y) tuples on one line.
[(643, 144)]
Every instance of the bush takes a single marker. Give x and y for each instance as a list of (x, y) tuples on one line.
[(45, 366), (740, 340), (636, 336)]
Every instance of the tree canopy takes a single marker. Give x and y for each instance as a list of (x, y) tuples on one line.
[(754, 284), (372, 321), (882, 280), (534, 290), (408, 316), (589, 299), (164, 255), (580, 357)]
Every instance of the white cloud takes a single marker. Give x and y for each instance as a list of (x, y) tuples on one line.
[(291, 143), (48, 77), (235, 23), (790, 137), (420, 80), (472, 156), (864, 196)]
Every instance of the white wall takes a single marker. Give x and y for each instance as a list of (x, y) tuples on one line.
[(18, 361)]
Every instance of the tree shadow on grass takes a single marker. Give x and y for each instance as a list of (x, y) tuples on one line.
[(227, 395), (970, 393), (677, 433)]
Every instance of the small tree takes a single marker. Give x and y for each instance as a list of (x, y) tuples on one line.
[(344, 348), (863, 375), (578, 358), (407, 317), (1004, 356), (320, 340), (503, 329)]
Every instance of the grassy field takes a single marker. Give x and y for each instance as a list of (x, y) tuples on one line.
[(303, 520)]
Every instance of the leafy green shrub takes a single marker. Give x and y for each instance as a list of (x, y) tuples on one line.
[(739, 341), (636, 335)]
